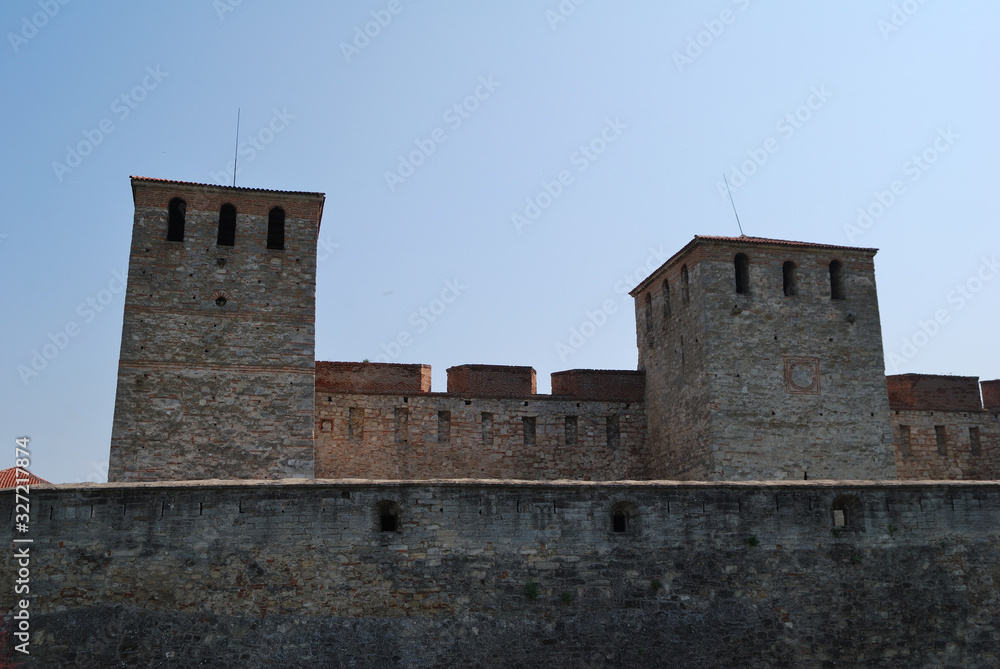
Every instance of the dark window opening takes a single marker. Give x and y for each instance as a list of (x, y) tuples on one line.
[(614, 431), (570, 430), (904, 439), (742, 266), (619, 521), (648, 308), (276, 229), (528, 423), (227, 226), (444, 427), (402, 426), (388, 516), (837, 281), (666, 299), (942, 439), (974, 440), (623, 516), (789, 279), (175, 220), (685, 291), (847, 513)]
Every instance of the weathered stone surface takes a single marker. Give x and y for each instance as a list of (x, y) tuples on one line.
[(262, 574)]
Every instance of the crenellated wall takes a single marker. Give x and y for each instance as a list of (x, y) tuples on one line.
[(266, 574)]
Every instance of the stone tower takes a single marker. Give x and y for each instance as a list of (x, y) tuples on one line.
[(763, 360), (216, 375)]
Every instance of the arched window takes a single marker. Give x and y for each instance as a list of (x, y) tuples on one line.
[(789, 279), (175, 220), (276, 229), (837, 280), (666, 299), (227, 226), (623, 516), (648, 308), (685, 292), (742, 266)]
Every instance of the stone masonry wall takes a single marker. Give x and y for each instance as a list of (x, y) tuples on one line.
[(797, 574), (438, 435), (210, 387), (920, 456), (784, 387)]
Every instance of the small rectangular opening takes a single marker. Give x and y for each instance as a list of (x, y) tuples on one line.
[(974, 440), (529, 430), (387, 521), (904, 439), (570, 430), (942, 439)]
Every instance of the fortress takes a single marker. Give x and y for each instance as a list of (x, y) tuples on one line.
[(757, 493)]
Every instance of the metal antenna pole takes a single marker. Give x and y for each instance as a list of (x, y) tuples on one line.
[(733, 203), (236, 153)]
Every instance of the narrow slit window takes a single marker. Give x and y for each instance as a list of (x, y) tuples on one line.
[(528, 423), (648, 309), (571, 425), (227, 226), (666, 299), (614, 431), (276, 229), (487, 427), (685, 285), (444, 427), (942, 439), (904, 439), (837, 281), (974, 440), (789, 279), (402, 426), (742, 267), (175, 220), (355, 423)]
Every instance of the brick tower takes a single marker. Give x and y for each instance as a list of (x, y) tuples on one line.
[(216, 375), (763, 360)]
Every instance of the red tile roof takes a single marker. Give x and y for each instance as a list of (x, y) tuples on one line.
[(775, 242), (194, 183), (8, 478)]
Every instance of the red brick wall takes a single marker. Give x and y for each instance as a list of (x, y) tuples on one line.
[(927, 392), (491, 380), (991, 394), (600, 384), (372, 377)]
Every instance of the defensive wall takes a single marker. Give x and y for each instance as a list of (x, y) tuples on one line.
[(941, 428), (513, 573)]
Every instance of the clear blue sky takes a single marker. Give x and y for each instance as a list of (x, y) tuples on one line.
[(832, 102)]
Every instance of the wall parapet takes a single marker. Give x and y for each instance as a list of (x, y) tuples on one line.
[(491, 380), (931, 392), (372, 377), (600, 384)]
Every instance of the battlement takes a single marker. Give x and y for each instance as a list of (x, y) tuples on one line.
[(600, 384), (991, 394), (372, 377), (491, 380), (931, 392)]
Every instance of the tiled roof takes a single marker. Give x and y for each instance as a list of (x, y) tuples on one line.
[(194, 183), (775, 242), (8, 478)]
